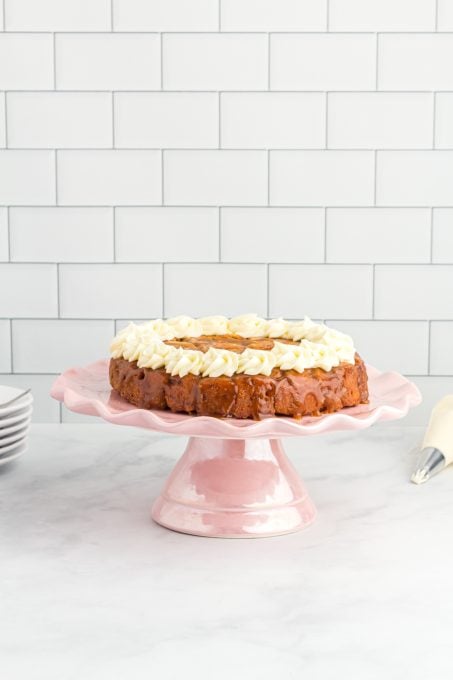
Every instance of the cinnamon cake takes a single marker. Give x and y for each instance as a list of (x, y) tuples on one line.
[(244, 367)]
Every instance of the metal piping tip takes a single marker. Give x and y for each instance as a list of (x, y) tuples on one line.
[(420, 476), (430, 463)]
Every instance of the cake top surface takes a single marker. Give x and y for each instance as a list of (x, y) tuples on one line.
[(215, 345)]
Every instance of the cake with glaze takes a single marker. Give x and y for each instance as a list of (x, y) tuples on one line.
[(244, 367)]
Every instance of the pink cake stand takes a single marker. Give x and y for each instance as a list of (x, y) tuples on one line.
[(234, 479)]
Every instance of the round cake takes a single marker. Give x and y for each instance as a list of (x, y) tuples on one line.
[(244, 367)]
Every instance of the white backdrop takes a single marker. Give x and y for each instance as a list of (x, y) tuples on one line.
[(287, 157)]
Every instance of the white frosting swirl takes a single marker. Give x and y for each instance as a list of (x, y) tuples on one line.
[(323, 355), (256, 361), (317, 346), (161, 328), (184, 361), (220, 362), (248, 326), (185, 327), (341, 344), (293, 357), (119, 341), (155, 355), (277, 328), (306, 329), (214, 325)]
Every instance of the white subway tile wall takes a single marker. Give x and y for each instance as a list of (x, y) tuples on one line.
[(325, 290), (288, 157), (2, 121), (5, 346), (52, 120), (4, 240), (109, 177), (61, 234), (74, 343), (106, 291), (444, 120), (263, 234), (57, 15), (445, 15), (167, 234), (26, 61), (442, 245)]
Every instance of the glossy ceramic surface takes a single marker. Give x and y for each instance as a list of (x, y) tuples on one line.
[(11, 429), (14, 437), (14, 452), (7, 393), (87, 390), (234, 488), (234, 480), (21, 416)]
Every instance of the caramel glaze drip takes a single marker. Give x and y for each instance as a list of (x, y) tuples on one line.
[(288, 393)]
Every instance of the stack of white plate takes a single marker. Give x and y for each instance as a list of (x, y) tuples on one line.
[(15, 421)]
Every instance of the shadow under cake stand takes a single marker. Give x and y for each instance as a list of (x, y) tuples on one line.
[(234, 479)]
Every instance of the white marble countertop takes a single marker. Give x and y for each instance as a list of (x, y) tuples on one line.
[(90, 588)]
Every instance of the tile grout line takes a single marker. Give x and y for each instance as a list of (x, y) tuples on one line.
[(328, 16), (210, 149), (111, 16), (436, 16), (204, 90), (213, 31), (292, 263), (325, 235), (431, 241), (429, 347), (358, 206), (220, 15)]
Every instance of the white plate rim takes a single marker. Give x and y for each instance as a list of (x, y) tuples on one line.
[(6, 431), (6, 422), (10, 447), (21, 449), (18, 405), (14, 437)]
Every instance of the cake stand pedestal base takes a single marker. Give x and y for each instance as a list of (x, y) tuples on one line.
[(234, 488)]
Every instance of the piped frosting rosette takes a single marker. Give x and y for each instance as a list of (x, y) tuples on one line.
[(316, 346)]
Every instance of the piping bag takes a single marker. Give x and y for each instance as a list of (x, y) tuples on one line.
[(437, 448)]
